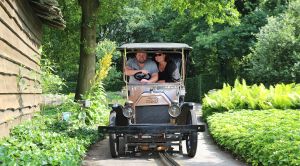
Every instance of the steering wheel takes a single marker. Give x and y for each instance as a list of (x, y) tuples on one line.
[(139, 76)]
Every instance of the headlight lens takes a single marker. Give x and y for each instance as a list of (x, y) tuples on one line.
[(128, 111), (174, 110)]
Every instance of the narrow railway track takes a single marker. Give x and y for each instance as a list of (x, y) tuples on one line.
[(167, 160)]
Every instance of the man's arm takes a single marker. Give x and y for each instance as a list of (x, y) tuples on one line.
[(130, 72)]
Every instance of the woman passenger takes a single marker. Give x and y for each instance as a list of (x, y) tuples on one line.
[(168, 71)]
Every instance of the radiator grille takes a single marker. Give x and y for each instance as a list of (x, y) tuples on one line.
[(152, 114)]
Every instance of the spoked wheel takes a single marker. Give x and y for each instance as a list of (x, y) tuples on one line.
[(113, 139), (192, 138)]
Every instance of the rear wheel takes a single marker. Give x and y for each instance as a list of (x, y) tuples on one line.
[(113, 138), (192, 138)]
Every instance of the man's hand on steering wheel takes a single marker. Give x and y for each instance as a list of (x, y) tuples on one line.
[(143, 71), (142, 76)]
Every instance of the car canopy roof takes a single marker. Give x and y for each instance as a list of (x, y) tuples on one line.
[(154, 46)]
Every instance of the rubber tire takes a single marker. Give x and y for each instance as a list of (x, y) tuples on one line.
[(113, 139), (192, 138)]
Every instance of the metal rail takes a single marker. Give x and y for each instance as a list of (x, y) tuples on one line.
[(167, 159)]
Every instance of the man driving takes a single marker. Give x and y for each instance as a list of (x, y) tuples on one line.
[(141, 64)]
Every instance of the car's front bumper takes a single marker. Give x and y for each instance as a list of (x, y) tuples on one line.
[(152, 129)]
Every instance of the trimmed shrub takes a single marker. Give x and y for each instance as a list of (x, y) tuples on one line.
[(261, 137)]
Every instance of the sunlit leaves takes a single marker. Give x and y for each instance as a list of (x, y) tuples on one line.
[(242, 96), (214, 11)]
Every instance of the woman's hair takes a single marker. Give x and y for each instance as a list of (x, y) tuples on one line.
[(167, 58)]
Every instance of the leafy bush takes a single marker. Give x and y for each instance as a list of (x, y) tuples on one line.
[(242, 96), (51, 83), (276, 55), (98, 111), (113, 79), (48, 140), (268, 137)]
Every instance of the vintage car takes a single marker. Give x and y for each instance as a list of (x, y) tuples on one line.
[(155, 116)]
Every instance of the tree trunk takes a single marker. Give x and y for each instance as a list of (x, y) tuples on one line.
[(87, 46)]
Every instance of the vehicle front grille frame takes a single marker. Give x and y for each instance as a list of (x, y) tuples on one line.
[(153, 114)]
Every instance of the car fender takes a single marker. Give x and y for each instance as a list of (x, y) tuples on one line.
[(120, 120), (185, 109)]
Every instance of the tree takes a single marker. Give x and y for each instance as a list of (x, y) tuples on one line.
[(214, 11), (87, 62), (276, 55)]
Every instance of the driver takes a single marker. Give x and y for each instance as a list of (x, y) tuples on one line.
[(141, 64)]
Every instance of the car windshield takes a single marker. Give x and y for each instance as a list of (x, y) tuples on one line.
[(167, 66)]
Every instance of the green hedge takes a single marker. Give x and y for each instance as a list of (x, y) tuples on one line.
[(242, 96), (47, 140), (261, 137)]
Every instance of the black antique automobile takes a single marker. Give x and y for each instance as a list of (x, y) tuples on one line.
[(155, 115)]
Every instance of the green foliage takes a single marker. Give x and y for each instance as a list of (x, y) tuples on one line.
[(199, 85), (106, 46), (213, 11), (219, 51), (113, 81), (51, 83), (62, 47), (98, 112), (110, 10), (276, 55), (49, 140), (268, 137), (242, 96), (115, 98)]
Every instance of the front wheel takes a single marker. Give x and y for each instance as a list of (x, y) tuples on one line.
[(113, 138), (192, 138)]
